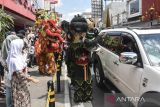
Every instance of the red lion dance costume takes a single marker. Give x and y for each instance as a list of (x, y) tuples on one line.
[(48, 43)]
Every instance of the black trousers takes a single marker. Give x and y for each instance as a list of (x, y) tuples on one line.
[(32, 60), (1, 69)]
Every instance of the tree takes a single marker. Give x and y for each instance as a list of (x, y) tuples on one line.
[(6, 23)]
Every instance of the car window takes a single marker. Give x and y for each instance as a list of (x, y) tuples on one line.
[(120, 42), (128, 44), (151, 44), (111, 42)]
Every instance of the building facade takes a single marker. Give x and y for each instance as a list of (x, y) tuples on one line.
[(22, 11), (143, 13), (97, 10), (118, 16), (136, 13)]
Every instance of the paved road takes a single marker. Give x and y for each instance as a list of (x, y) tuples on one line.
[(101, 95), (98, 95)]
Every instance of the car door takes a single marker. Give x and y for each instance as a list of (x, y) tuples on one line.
[(101, 50), (130, 75), (110, 59)]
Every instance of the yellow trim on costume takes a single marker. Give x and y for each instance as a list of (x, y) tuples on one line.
[(52, 100), (52, 93)]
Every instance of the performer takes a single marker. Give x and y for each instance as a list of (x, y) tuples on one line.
[(82, 38), (54, 41), (78, 56), (41, 45), (48, 42)]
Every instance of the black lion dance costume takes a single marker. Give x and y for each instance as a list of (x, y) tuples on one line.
[(78, 57)]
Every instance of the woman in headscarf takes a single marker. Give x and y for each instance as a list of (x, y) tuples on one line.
[(17, 68)]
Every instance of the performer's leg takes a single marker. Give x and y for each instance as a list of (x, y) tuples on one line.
[(51, 63), (60, 61), (42, 64)]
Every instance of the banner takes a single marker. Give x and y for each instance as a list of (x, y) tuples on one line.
[(53, 1)]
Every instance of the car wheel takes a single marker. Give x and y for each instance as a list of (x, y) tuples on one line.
[(150, 100), (99, 77)]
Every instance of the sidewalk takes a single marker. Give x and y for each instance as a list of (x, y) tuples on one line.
[(39, 91)]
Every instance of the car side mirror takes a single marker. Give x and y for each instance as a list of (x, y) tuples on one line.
[(96, 49), (128, 58), (96, 32)]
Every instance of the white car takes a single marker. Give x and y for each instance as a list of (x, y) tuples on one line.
[(130, 59)]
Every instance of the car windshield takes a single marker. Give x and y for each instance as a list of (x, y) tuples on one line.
[(151, 43)]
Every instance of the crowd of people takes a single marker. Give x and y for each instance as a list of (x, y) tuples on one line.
[(16, 50)]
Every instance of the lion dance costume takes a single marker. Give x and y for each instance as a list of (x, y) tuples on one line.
[(48, 42), (78, 57)]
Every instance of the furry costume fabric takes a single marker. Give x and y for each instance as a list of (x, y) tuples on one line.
[(48, 42), (78, 59)]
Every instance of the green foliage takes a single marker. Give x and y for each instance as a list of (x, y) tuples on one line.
[(113, 43), (108, 21), (6, 23)]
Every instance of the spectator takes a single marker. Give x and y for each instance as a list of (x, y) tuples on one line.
[(17, 68), (29, 36), (22, 35), (4, 53), (31, 55), (6, 44), (31, 41)]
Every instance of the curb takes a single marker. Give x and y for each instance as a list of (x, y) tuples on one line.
[(66, 88)]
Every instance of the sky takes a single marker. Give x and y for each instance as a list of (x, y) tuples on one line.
[(69, 8)]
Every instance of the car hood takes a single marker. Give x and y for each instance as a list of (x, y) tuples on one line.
[(157, 68)]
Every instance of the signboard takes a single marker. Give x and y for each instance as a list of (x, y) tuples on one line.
[(53, 1), (47, 5), (135, 8)]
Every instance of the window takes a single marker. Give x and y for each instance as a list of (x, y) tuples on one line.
[(128, 44), (151, 45), (112, 42), (118, 42), (135, 8)]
